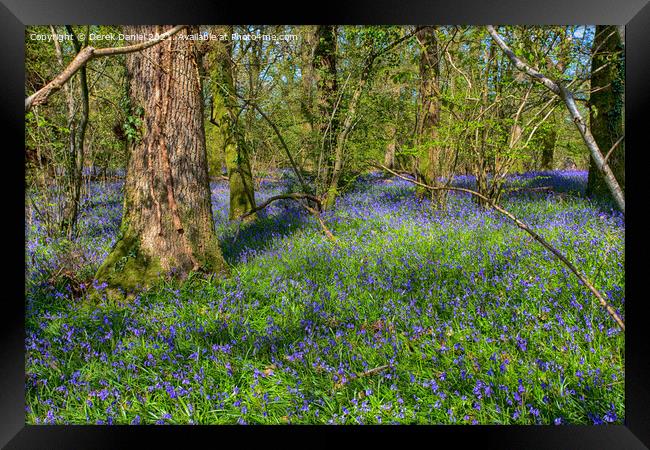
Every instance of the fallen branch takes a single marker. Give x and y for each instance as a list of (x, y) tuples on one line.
[(569, 101), (601, 299), (41, 96), (540, 188), (316, 214), (367, 373), (297, 196)]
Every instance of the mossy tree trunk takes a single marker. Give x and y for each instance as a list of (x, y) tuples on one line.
[(224, 116), (310, 143), (606, 106), (167, 223), (428, 162), (324, 71), (548, 141), (391, 146)]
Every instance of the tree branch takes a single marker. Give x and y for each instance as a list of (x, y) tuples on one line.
[(569, 101), (618, 141), (297, 196), (519, 64), (41, 96), (601, 299), (294, 166)]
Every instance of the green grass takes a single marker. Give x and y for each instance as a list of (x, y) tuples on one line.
[(464, 308)]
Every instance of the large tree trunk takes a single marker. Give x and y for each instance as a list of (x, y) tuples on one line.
[(428, 161), (167, 224), (324, 70), (224, 116), (607, 105)]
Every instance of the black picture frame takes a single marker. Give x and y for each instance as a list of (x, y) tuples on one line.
[(16, 14)]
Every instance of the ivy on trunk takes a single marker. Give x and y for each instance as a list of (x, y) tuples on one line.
[(167, 224)]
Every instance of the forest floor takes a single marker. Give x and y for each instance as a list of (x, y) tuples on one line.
[(413, 316)]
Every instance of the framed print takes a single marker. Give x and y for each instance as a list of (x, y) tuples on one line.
[(392, 219)]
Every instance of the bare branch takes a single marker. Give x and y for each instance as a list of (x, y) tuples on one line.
[(41, 96), (297, 196), (537, 76), (618, 141), (393, 44), (601, 299), (280, 138), (569, 101)]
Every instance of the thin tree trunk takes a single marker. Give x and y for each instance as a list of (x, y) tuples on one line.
[(346, 127), (549, 139), (77, 121), (79, 141), (341, 138), (310, 145), (167, 225), (391, 147), (224, 116)]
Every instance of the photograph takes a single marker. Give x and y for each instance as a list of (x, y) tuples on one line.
[(324, 224)]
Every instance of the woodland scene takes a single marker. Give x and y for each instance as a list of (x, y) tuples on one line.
[(321, 224)]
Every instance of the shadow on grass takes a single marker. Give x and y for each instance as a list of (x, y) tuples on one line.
[(258, 235)]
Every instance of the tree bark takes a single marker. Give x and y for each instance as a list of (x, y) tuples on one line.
[(224, 116), (428, 161), (391, 146), (324, 71), (607, 106), (167, 224), (548, 140)]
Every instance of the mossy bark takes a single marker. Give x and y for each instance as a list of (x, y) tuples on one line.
[(225, 118), (607, 106), (167, 224), (548, 141), (428, 162), (327, 124), (391, 146), (128, 267)]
